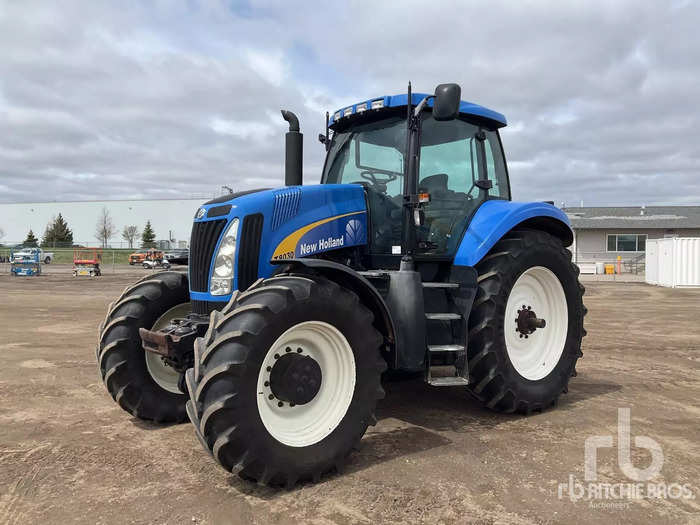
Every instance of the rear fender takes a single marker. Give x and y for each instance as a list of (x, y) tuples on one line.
[(495, 218)]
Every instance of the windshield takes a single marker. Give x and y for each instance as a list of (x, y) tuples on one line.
[(371, 154)]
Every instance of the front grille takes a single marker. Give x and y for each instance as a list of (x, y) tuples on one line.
[(202, 244), (249, 250), (206, 307), (218, 211)]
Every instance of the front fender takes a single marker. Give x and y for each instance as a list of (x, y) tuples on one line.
[(495, 218), (349, 278)]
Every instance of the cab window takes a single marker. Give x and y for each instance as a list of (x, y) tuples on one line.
[(449, 170)]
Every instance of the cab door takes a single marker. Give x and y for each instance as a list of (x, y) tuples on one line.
[(454, 156)]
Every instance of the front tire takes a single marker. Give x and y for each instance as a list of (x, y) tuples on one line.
[(138, 385), (526, 324), (235, 404)]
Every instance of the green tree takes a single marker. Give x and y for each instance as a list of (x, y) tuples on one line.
[(57, 234), (31, 241), (148, 237)]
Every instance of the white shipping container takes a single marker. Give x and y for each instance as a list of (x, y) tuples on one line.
[(673, 262)]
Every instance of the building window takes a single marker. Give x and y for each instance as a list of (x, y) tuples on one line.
[(627, 242)]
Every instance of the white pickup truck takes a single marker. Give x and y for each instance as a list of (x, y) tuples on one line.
[(30, 253)]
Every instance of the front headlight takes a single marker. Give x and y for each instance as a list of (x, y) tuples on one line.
[(223, 266), (222, 278)]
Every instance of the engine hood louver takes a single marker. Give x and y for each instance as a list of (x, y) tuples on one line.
[(286, 206)]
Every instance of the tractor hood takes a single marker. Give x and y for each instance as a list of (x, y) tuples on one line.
[(273, 225)]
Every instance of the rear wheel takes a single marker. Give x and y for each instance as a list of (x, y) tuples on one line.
[(526, 325), (286, 380), (139, 381)]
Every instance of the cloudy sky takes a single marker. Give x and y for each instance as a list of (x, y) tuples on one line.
[(165, 99)]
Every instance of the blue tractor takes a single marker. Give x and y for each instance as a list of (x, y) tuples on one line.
[(409, 256)]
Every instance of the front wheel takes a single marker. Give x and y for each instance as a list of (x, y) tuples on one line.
[(139, 381), (526, 325), (286, 380)]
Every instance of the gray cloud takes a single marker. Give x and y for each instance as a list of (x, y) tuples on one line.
[(107, 100)]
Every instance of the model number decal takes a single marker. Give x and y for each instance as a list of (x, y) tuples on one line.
[(282, 256)]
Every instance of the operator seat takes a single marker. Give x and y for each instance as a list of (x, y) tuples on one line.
[(445, 209)]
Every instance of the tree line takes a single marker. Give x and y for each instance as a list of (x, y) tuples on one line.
[(59, 235)]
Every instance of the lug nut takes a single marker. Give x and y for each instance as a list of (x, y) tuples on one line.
[(269, 368), (271, 396), (298, 350), (280, 404), (287, 349), (267, 383), (277, 356)]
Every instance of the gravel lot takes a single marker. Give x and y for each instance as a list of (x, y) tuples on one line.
[(69, 454)]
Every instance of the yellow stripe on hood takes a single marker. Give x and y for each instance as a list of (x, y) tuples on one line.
[(289, 243)]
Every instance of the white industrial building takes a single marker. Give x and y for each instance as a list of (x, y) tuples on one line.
[(171, 219)]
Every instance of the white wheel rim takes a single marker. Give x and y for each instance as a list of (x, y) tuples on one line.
[(307, 424), (165, 376), (536, 355)]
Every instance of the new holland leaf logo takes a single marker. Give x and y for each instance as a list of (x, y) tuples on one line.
[(354, 233)]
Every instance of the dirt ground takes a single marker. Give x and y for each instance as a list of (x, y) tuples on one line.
[(69, 454)]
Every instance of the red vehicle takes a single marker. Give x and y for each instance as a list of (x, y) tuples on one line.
[(86, 261)]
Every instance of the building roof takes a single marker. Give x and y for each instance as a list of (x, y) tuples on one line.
[(394, 101), (636, 217)]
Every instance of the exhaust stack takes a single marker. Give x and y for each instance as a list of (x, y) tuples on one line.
[(294, 150)]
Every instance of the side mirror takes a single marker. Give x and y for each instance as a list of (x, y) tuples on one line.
[(446, 103)]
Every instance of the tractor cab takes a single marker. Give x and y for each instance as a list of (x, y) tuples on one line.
[(461, 165)]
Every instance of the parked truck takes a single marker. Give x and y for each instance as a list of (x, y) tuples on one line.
[(35, 253), (410, 256), (140, 256)]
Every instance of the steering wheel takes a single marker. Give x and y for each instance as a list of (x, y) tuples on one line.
[(379, 184)]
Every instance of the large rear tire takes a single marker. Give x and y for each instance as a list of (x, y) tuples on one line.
[(526, 324), (142, 384), (235, 404)]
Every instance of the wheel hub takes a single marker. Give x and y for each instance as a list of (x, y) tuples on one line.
[(527, 321), (295, 378)]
